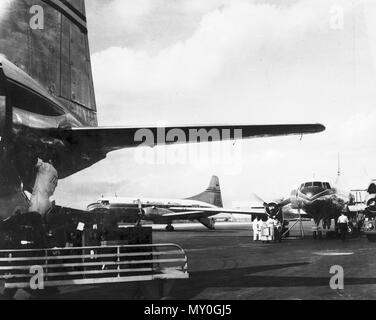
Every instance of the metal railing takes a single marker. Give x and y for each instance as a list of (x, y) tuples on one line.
[(93, 265)]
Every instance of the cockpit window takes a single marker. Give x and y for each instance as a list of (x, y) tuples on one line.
[(317, 184), (105, 202), (327, 185), (308, 184)]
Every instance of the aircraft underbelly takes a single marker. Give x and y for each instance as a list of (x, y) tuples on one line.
[(325, 208)]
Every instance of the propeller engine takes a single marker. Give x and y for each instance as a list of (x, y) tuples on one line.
[(272, 209), (155, 212), (371, 203)]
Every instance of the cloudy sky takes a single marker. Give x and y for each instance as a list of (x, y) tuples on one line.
[(225, 62)]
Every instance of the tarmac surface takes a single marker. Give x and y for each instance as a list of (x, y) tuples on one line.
[(227, 264)]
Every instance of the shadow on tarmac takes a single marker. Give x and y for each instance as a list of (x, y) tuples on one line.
[(241, 277)]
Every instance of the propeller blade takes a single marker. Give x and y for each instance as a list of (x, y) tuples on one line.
[(259, 199)]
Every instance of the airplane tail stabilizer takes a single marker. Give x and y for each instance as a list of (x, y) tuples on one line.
[(212, 194)]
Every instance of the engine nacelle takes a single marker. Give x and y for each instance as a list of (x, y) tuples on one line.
[(154, 212), (296, 202), (273, 208), (371, 203)]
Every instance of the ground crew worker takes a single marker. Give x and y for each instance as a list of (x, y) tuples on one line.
[(264, 231), (270, 224), (277, 230), (255, 225), (44, 187), (326, 223), (343, 224), (259, 228)]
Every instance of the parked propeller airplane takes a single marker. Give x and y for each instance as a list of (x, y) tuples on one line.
[(319, 200), (203, 208), (47, 102)]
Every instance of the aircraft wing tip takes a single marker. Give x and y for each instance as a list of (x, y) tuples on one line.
[(320, 127)]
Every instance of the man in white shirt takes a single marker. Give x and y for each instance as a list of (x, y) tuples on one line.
[(44, 187), (343, 224), (259, 228), (270, 224), (255, 225)]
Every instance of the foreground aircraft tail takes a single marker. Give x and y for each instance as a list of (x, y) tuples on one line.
[(212, 194), (48, 40)]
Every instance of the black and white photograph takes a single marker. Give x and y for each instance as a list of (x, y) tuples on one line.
[(187, 150)]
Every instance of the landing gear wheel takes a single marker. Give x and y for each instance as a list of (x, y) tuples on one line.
[(170, 228)]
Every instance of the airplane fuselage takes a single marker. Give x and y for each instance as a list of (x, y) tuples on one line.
[(153, 209)]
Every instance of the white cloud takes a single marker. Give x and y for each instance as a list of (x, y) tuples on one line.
[(223, 37), (370, 21), (237, 55), (117, 15)]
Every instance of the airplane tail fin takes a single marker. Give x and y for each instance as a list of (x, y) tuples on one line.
[(49, 41), (212, 194)]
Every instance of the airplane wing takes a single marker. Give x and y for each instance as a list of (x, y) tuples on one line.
[(214, 211), (111, 139), (206, 213)]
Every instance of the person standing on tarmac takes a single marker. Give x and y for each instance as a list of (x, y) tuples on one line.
[(264, 231), (255, 225), (277, 230), (270, 224), (259, 228), (343, 224)]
